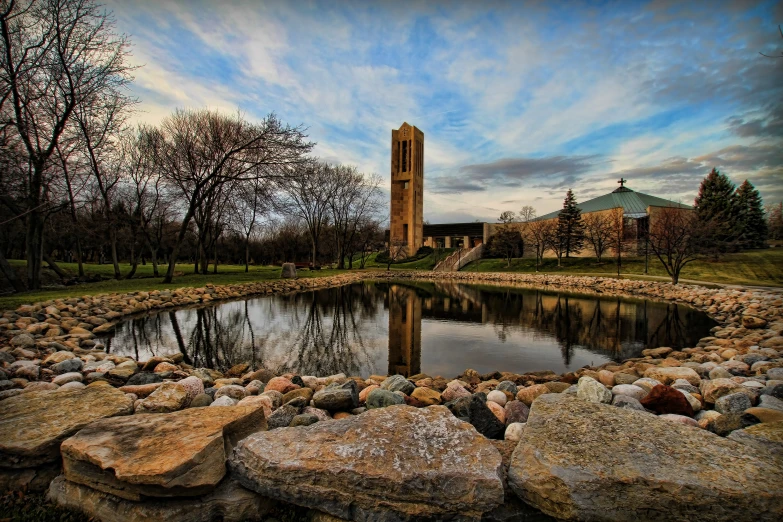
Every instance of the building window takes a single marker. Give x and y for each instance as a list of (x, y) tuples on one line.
[(405, 156), (405, 232), (405, 185)]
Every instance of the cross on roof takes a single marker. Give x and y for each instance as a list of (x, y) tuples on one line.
[(622, 182)]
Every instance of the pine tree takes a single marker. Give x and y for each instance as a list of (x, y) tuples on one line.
[(748, 217), (714, 207), (570, 228), (775, 221)]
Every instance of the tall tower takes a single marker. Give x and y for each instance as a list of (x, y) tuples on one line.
[(406, 227)]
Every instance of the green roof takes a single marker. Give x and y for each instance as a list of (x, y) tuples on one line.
[(634, 203)]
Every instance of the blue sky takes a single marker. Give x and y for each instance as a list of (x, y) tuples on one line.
[(519, 101)]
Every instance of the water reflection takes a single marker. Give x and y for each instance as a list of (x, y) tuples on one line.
[(409, 328)]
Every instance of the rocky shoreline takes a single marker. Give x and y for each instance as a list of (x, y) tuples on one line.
[(675, 434)]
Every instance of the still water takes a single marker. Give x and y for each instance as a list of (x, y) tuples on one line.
[(413, 327)]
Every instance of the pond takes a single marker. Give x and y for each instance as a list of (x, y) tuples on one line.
[(413, 327)]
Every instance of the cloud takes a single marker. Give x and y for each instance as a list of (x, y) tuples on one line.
[(513, 172)]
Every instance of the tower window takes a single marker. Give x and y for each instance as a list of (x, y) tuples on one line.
[(405, 185), (405, 156)]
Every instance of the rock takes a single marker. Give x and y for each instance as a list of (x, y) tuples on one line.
[(322, 415), (498, 411), (431, 466), (280, 384), (23, 341), (606, 377), (680, 419), (282, 416), (225, 400), (164, 367), (142, 390), (588, 389), (460, 408), (732, 403), (193, 386), (508, 386), (664, 399), (657, 352), (768, 401), (337, 398), (57, 357), (382, 398), (730, 422), (67, 366), (714, 389), (514, 431), (65, 378), (483, 419), (158, 455), (233, 391), (630, 390), (720, 373), (430, 397), (765, 414), (398, 383), (305, 393), (168, 397), (454, 390), (229, 502), (765, 437), (516, 411), (365, 392), (667, 375), (631, 466), (498, 397), (752, 322), (200, 401), (144, 378), (693, 401), (73, 385), (627, 402), (288, 271), (40, 386), (646, 384), (529, 394), (33, 425), (304, 419)]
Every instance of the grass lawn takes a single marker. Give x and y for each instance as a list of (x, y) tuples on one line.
[(426, 263), (757, 267), (144, 280)]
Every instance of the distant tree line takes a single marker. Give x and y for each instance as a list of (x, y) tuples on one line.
[(79, 182)]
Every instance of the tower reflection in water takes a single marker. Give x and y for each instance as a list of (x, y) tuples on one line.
[(392, 327)]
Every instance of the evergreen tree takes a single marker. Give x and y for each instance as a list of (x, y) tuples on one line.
[(570, 228), (748, 217), (715, 210), (775, 221)]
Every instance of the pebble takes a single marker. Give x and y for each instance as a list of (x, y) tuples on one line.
[(630, 390), (224, 400), (732, 403), (514, 431), (497, 397), (398, 383), (590, 390), (381, 398)]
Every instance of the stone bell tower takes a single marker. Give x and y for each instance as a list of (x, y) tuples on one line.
[(406, 227)]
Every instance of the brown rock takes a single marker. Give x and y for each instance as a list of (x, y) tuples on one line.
[(159, 455), (752, 322), (431, 466), (606, 378), (766, 414), (664, 399), (168, 397), (280, 384), (609, 474), (668, 375), (426, 396), (229, 502), (529, 394), (33, 425)]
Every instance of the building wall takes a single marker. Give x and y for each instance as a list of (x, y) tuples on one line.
[(407, 187)]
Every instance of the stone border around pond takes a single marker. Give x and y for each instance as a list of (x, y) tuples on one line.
[(731, 383)]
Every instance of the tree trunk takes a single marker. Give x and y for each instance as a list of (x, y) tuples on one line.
[(114, 260), (57, 270), (154, 259), (183, 230), (247, 254), (34, 248), (10, 273), (215, 250)]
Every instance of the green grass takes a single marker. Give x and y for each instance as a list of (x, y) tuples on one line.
[(426, 263), (144, 280), (757, 267)]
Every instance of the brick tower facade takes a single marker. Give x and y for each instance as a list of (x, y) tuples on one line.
[(406, 227)]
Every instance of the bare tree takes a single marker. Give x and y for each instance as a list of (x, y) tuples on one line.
[(307, 196), (507, 216), (541, 234), (598, 231), (677, 237), (527, 213), (252, 201), (200, 151), (356, 199), (780, 29), (56, 55)]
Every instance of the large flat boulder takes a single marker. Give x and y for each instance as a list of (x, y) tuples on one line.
[(159, 454), (229, 502), (583, 461), (387, 464), (33, 425)]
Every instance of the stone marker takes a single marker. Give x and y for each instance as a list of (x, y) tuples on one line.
[(399, 463), (229, 502), (288, 271), (33, 425), (584, 461), (158, 455)]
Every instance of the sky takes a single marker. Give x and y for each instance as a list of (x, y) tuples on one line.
[(518, 101)]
